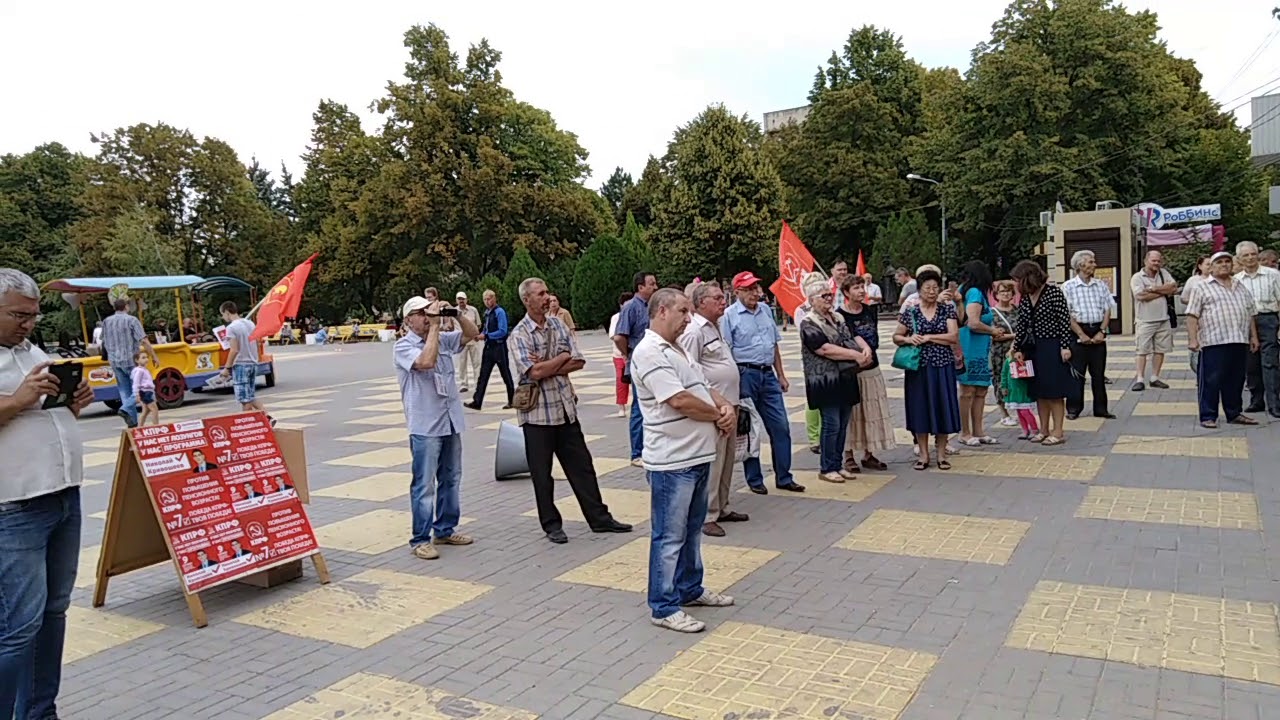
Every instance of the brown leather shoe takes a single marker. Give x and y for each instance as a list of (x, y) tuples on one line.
[(712, 529)]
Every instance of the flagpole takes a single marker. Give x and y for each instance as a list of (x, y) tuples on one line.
[(254, 309)]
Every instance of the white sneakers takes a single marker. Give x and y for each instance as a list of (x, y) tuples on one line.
[(681, 621)]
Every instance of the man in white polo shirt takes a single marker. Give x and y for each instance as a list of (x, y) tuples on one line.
[(682, 417)]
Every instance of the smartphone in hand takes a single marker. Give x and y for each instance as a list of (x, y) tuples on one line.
[(69, 376)]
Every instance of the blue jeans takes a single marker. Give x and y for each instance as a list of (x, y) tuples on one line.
[(637, 426), (124, 384), (39, 552), (435, 491), (678, 503), (835, 427), (766, 392)]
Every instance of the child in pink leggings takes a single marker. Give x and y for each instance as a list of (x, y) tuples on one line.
[(1018, 399)]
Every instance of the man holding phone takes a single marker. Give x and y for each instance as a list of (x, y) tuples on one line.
[(39, 508)]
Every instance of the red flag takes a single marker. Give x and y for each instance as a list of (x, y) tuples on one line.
[(794, 261), (862, 266), (282, 301)]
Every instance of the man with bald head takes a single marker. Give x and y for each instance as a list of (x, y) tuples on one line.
[(1262, 371), (1152, 287)]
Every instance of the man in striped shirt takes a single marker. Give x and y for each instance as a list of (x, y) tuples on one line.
[(1221, 326), (1262, 376), (1089, 300)]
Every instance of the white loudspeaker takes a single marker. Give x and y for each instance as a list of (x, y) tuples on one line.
[(509, 461)]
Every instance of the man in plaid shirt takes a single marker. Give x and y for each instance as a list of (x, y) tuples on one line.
[(1090, 301), (543, 351), (1222, 326)]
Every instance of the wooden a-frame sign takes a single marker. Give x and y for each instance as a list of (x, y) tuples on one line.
[(134, 537)]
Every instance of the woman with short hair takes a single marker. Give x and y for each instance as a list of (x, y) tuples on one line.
[(1044, 337), (871, 423), (831, 361), (930, 390)]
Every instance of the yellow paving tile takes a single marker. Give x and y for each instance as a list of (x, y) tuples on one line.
[(934, 535), (385, 457), (298, 402), (90, 632), (373, 696), (605, 399), (293, 426), (98, 459), (1232, 510), (1234, 448), (396, 418), (628, 506), (752, 671), (895, 392), (384, 396), (110, 443), (1029, 465), (90, 483), (385, 436), (902, 437), (291, 413), (101, 515), (87, 568), (1206, 635), (385, 407), (602, 389), (794, 402), (848, 491), (371, 533), (379, 487), (603, 466), (490, 426), (1155, 408), (364, 609), (627, 568), (1084, 423), (304, 394)]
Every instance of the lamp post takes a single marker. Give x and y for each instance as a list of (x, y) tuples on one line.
[(941, 205)]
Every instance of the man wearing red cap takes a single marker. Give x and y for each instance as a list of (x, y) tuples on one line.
[(753, 339)]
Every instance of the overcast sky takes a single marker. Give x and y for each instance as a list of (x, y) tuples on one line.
[(622, 76)]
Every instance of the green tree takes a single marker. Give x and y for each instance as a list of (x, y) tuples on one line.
[(637, 243), (719, 202), (604, 272), (904, 240), (615, 190), (521, 268), (40, 200), (638, 200), (560, 280)]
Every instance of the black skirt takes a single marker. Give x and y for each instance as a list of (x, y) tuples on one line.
[(1053, 379)]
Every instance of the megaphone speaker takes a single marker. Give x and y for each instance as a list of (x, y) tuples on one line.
[(509, 461)]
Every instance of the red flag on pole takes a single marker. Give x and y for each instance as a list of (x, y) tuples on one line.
[(862, 266), (282, 301), (794, 260)]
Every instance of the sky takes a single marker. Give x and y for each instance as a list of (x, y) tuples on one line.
[(622, 78)]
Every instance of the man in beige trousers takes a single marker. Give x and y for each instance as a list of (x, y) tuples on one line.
[(707, 349)]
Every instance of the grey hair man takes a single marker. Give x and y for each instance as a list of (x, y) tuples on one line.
[(40, 504), (122, 335), (706, 348), (1089, 302), (1262, 371), (494, 334), (544, 353)]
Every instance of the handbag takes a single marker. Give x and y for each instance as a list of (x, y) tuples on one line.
[(907, 357), (1022, 369), (526, 396)]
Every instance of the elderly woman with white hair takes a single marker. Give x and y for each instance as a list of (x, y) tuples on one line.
[(832, 359)]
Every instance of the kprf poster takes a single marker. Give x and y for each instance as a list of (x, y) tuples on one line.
[(226, 499)]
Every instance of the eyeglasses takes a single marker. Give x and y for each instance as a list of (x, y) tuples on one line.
[(24, 318), (827, 296)]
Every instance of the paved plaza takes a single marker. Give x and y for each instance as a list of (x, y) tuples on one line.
[(1130, 573)]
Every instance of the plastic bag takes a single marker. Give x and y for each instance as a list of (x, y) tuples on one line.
[(748, 445)]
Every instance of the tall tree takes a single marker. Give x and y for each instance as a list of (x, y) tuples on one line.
[(638, 200), (615, 190), (719, 202), (40, 199)]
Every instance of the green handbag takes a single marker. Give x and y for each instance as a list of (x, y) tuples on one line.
[(907, 357)]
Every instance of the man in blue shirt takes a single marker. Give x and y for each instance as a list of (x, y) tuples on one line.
[(433, 411), (753, 337), (633, 321), (494, 334)]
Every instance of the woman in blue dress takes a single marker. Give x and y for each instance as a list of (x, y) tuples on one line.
[(975, 346), (932, 406)]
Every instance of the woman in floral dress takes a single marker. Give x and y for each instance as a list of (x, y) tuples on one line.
[(1004, 318)]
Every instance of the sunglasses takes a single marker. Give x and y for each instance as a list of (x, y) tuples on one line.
[(827, 296)]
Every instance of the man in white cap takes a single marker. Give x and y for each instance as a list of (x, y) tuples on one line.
[(1222, 326), (433, 411), (467, 361)]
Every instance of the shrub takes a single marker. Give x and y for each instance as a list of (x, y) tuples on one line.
[(560, 281), (605, 270), (521, 267)]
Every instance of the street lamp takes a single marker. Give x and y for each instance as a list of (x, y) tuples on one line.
[(941, 204)]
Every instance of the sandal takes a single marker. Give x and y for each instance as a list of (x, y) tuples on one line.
[(921, 465), (1242, 420), (972, 442), (1209, 424), (944, 464), (1052, 440), (873, 463), (1037, 438), (988, 440)]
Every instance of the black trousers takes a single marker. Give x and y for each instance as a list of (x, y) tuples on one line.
[(568, 445), (1092, 359), (495, 353), (1222, 380)]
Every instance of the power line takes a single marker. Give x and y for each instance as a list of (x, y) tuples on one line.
[(1252, 58)]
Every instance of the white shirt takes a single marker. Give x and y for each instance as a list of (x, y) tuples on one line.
[(613, 330), (875, 296), (97, 335), (672, 441), (1265, 286), (43, 448), (1157, 309)]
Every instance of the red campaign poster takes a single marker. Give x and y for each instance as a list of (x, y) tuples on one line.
[(226, 499)]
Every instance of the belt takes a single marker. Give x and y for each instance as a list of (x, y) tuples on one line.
[(1273, 312), (753, 366)]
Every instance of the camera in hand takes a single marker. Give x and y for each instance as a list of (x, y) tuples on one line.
[(449, 312)]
